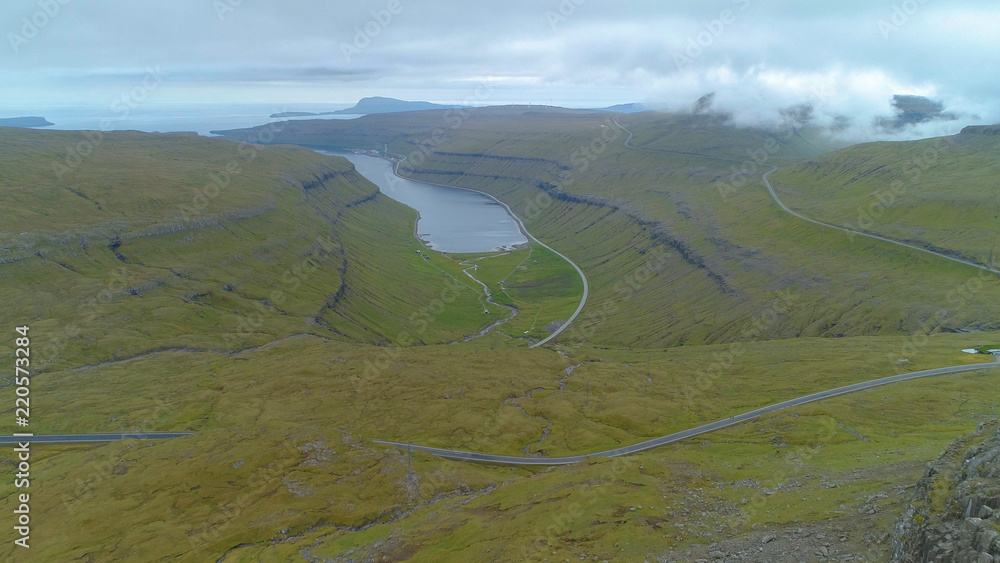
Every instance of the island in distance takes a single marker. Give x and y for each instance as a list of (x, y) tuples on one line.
[(375, 104), (28, 121)]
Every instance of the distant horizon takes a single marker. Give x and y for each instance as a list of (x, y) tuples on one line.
[(7, 107), (203, 117), (837, 65)]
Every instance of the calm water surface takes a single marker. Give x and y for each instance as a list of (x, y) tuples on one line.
[(164, 118), (451, 219)]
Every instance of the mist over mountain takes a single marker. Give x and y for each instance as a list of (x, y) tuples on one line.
[(520, 281)]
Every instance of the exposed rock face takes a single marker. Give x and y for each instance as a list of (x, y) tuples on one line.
[(955, 513), (987, 130)]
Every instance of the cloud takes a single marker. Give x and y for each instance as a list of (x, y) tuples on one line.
[(911, 111), (846, 60)]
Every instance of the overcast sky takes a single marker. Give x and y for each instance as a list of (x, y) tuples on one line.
[(846, 58)]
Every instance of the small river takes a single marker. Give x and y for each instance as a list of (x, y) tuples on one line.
[(451, 219)]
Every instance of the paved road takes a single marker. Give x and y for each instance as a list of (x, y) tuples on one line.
[(75, 438), (520, 224), (785, 208), (677, 436), (770, 189), (684, 434)]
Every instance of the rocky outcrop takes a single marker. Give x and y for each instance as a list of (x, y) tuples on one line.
[(955, 512), (987, 130)]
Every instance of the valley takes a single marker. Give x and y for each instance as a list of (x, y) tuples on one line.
[(275, 303)]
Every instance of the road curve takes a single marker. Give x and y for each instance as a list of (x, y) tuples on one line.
[(677, 436), (684, 434), (520, 224), (785, 208), (77, 438), (770, 190)]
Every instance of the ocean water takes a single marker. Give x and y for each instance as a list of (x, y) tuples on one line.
[(200, 118), (451, 219)]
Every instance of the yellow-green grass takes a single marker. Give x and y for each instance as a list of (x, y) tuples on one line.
[(262, 468), (550, 282), (542, 286), (728, 250), (128, 264), (281, 466), (940, 192)]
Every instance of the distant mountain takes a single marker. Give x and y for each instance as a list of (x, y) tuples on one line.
[(634, 107), (300, 113), (390, 105), (625, 108), (937, 193), (30, 121), (911, 110), (987, 130)]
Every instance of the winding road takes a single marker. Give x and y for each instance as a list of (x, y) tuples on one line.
[(770, 190), (520, 224), (737, 419), (684, 434), (786, 209), (77, 438)]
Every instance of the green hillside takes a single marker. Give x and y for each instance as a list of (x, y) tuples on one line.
[(698, 213), (942, 193), (160, 241), (291, 317)]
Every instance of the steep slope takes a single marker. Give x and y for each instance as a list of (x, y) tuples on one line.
[(282, 466), (942, 193), (681, 241), (162, 241), (955, 509)]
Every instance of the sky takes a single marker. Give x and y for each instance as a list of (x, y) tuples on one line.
[(845, 59)]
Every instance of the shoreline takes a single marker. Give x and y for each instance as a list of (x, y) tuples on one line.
[(529, 236)]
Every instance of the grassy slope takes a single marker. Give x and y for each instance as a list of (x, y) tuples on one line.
[(723, 250), (839, 286), (106, 266), (543, 287), (281, 467), (942, 193), (281, 461)]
